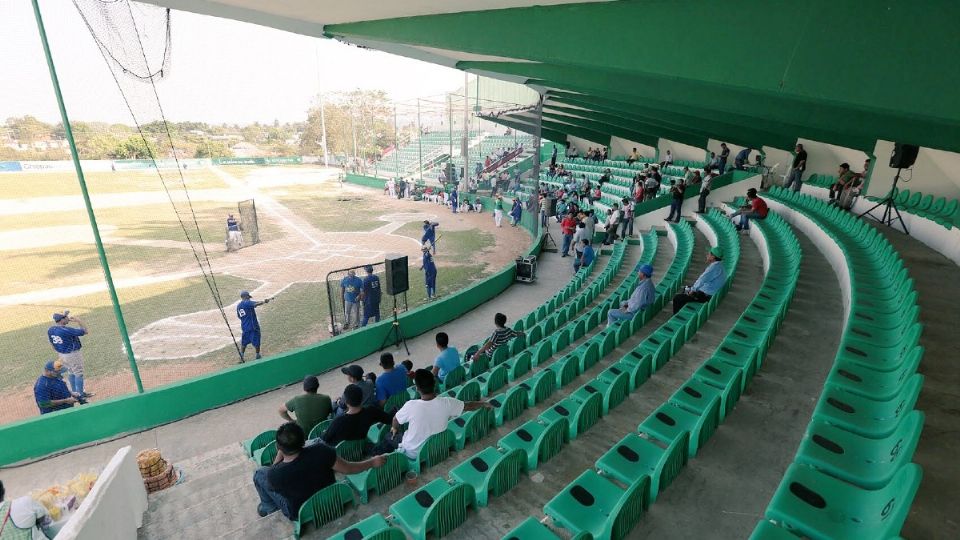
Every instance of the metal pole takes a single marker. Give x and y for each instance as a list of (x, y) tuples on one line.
[(465, 148), (396, 142), (450, 127), (68, 132), (419, 139), (323, 126), (353, 126)]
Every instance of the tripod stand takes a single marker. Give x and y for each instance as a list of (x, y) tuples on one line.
[(890, 211), (395, 332), (549, 244)]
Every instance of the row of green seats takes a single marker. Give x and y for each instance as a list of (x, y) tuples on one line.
[(442, 504), (595, 505), (945, 213), (852, 476)]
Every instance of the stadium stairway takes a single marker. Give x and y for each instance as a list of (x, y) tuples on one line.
[(217, 498)]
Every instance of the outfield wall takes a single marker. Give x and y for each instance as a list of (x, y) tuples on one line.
[(43, 435), (141, 164)]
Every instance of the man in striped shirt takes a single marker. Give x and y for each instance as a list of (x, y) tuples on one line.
[(501, 335)]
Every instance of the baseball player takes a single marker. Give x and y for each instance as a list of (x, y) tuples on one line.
[(350, 288), (65, 340), (430, 234), (454, 199), (429, 272), (370, 295), (247, 313), (234, 236), (498, 211)]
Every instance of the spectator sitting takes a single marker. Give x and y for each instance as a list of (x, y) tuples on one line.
[(392, 381), (24, 518), (707, 285), (424, 417), (634, 156), (477, 205), (604, 178), (50, 391), (667, 160), (371, 378), (356, 422), (354, 375), (309, 407), (501, 336), (299, 471), (845, 178), (642, 298), (586, 258), (651, 187), (757, 209), (687, 175), (714, 162), (448, 359)]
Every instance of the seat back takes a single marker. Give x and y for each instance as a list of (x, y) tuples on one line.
[(629, 509), (506, 472), (260, 441), (521, 366), (552, 440), (455, 377), (352, 450), (396, 401), (515, 403), (545, 386), (390, 475), (470, 391), (324, 506), (449, 511), (436, 449), (496, 379), (480, 364)]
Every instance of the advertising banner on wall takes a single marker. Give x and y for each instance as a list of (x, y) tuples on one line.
[(10, 166)]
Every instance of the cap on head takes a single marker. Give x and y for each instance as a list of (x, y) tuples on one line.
[(244, 294), (368, 268), (717, 252), (55, 366), (646, 270), (310, 383), (354, 371), (57, 317)]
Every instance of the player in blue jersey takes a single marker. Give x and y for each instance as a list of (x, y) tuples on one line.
[(249, 325), (370, 296), (454, 199), (234, 236), (350, 288), (430, 234), (65, 340), (429, 271)]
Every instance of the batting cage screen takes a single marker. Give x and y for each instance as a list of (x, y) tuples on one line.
[(248, 222), (342, 287)]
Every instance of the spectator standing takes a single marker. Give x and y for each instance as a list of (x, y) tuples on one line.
[(567, 230), (704, 192), (642, 298), (370, 296), (708, 284), (309, 407), (498, 211), (613, 221), (651, 187), (676, 201), (544, 207), (516, 211), (448, 359), (300, 471), (579, 235), (51, 393), (65, 341), (429, 268), (350, 287), (723, 157), (795, 178), (392, 381), (626, 223)]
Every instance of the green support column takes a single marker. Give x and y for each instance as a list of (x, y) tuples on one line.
[(68, 132)]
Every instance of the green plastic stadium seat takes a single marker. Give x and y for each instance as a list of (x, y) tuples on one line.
[(265, 456), (352, 450), (323, 506), (437, 508), (766, 530), (868, 463), (821, 507), (374, 527), (724, 377), (635, 458), (595, 505), (471, 426), (381, 479), (613, 387), (518, 366), (470, 391), (258, 442), (377, 433), (540, 386), (638, 365), (699, 398), (566, 369), (436, 449), (493, 381), (739, 355), (864, 416), (455, 377), (538, 440), (531, 529), (490, 472), (657, 347), (395, 402), (542, 353), (579, 412), (669, 422), (509, 405), (879, 385), (480, 364)]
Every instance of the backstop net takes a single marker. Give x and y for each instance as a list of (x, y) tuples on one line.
[(248, 222), (346, 315)]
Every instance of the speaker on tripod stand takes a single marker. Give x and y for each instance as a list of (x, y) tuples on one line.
[(902, 157)]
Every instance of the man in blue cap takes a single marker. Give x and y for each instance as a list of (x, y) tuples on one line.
[(350, 287), (708, 284), (65, 340), (642, 298), (249, 325), (51, 393), (370, 296)]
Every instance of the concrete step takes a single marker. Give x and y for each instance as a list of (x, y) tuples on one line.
[(231, 483), (273, 526)]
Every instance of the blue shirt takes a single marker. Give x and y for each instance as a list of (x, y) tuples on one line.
[(371, 290), (65, 339), (391, 382), (642, 296), (712, 279), (351, 288), (429, 233), (48, 389), (453, 196), (447, 361), (232, 224), (588, 256), (247, 312), (429, 269)]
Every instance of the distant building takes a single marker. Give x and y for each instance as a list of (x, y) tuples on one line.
[(245, 149)]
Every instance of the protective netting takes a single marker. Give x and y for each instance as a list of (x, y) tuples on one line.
[(356, 297), (249, 227)]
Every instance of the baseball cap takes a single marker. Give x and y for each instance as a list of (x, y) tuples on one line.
[(717, 252), (310, 383), (244, 294), (354, 371), (647, 270), (55, 366), (368, 268), (57, 317)]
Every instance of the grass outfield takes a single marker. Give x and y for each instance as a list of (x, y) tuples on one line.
[(20, 185), (327, 209), (24, 328)]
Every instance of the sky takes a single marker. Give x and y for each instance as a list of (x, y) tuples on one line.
[(220, 71)]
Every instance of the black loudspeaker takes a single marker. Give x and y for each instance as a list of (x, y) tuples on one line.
[(396, 275), (903, 156), (551, 206)]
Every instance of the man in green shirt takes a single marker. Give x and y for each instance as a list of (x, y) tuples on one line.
[(498, 211), (845, 180), (310, 407)]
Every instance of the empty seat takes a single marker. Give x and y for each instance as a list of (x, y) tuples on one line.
[(595, 505), (437, 508)]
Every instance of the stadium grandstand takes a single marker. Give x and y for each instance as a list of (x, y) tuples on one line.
[(745, 223)]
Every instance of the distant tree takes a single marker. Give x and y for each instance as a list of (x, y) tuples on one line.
[(134, 147), (212, 149)]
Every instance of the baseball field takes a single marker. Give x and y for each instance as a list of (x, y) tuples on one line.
[(309, 224)]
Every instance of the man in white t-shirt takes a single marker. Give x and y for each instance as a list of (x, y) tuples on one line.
[(424, 417)]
